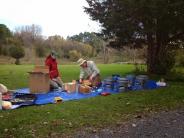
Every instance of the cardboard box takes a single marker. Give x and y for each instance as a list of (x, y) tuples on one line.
[(39, 80), (86, 82), (84, 89), (40, 68), (70, 87)]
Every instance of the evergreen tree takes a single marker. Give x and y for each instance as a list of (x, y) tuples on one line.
[(157, 23)]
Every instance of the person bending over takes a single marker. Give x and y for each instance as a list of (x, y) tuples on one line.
[(89, 71)]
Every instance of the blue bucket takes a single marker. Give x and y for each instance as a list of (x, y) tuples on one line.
[(122, 82), (121, 89)]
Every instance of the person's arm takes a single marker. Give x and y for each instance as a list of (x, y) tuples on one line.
[(81, 75), (94, 69), (47, 62)]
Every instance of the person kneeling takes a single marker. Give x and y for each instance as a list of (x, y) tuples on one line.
[(55, 79), (89, 71)]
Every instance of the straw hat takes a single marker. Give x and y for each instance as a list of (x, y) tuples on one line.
[(81, 61)]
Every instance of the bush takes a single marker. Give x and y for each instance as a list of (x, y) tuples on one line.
[(165, 62), (40, 51), (4, 50), (180, 57), (17, 52), (74, 55), (0, 49)]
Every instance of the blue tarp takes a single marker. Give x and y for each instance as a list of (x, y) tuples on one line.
[(45, 98)]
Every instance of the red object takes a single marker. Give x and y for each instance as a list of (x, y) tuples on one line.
[(53, 69), (7, 96), (105, 93)]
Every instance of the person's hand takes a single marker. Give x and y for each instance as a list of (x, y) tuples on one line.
[(80, 81), (54, 79), (91, 78)]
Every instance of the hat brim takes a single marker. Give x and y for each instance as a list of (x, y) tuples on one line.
[(82, 62)]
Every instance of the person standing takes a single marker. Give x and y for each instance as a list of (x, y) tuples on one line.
[(89, 71), (55, 78)]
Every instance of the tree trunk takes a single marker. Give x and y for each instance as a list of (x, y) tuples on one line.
[(151, 55), (105, 53), (159, 60), (17, 61)]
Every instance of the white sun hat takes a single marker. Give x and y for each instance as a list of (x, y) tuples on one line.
[(81, 61)]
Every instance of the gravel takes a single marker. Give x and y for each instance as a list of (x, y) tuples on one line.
[(166, 124)]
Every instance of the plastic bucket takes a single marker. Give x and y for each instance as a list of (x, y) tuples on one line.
[(121, 89), (108, 81), (122, 82), (115, 77), (131, 79), (142, 79)]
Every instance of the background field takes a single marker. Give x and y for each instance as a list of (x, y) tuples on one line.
[(16, 76)]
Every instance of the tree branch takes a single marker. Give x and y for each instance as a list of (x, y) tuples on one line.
[(177, 36)]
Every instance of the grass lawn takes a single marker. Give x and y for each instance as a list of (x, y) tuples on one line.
[(16, 76), (65, 118)]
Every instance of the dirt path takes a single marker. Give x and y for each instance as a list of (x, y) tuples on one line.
[(167, 124)]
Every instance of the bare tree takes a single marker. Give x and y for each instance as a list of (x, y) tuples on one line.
[(28, 34)]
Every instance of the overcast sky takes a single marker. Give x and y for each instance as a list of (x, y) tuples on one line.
[(61, 17)]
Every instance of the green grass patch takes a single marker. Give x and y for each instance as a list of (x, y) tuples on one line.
[(16, 76), (68, 117)]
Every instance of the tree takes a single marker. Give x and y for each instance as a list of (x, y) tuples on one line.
[(89, 38), (28, 34), (40, 51), (74, 55), (157, 23), (17, 52), (5, 36)]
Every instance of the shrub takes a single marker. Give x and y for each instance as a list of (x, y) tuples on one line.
[(180, 57), (74, 55), (40, 51), (17, 52), (165, 62), (4, 50)]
